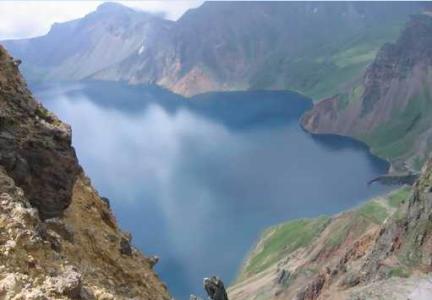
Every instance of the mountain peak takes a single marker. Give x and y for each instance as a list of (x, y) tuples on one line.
[(113, 7)]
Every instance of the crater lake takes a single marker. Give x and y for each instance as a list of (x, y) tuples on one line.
[(196, 180)]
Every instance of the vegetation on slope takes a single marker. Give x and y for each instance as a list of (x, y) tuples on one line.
[(390, 108), (396, 198), (282, 240), (328, 69), (303, 259), (396, 138)]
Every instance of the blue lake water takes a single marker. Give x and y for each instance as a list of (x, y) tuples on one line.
[(196, 180)]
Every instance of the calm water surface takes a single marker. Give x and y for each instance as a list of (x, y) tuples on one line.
[(196, 180)]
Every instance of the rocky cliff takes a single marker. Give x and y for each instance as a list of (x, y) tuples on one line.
[(390, 108), (58, 239), (381, 250)]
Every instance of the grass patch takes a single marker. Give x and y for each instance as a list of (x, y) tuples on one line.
[(326, 70), (284, 239), (400, 215), (396, 138), (399, 272), (345, 98), (399, 196), (281, 240), (418, 162), (356, 55), (337, 236), (373, 211)]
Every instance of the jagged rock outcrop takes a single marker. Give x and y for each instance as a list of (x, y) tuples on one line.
[(390, 109), (215, 288), (58, 238), (35, 147)]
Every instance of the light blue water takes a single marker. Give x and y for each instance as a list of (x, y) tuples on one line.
[(197, 180)]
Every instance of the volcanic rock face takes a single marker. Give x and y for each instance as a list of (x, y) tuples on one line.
[(58, 239), (390, 109), (35, 147)]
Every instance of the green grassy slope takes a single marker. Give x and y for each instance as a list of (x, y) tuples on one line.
[(396, 138), (282, 240), (329, 69)]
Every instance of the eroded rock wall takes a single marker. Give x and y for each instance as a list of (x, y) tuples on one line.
[(58, 238)]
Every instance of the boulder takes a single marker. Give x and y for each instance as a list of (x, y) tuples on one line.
[(215, 288), (125, 247)]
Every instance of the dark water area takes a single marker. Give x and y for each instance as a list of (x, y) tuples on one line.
[(196, 180)]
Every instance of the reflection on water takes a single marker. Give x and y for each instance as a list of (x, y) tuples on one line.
[(196, 180)]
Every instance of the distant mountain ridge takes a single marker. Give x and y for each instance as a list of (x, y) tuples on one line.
[(312, 47), (77, 49)]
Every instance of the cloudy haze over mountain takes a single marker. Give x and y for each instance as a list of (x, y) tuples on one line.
[(34, 18)]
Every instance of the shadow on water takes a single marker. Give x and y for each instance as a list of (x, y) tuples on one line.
[(333, 142), (251, 109), (196, 180), (233, 109), (130, 99)]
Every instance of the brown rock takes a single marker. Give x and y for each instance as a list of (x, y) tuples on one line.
[(35, 147)]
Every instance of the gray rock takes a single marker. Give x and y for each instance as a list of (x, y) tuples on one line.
[(125, 247), (215, 288), (62, 229), (283, 277), (107, 201), (68, 283), (153, 260)]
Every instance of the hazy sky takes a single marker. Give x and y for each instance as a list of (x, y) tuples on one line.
[(32, 18)]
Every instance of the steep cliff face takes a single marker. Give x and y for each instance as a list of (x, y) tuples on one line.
[(58, 239), (313, 47), (390, 109), (381, 250), (35, 146)]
